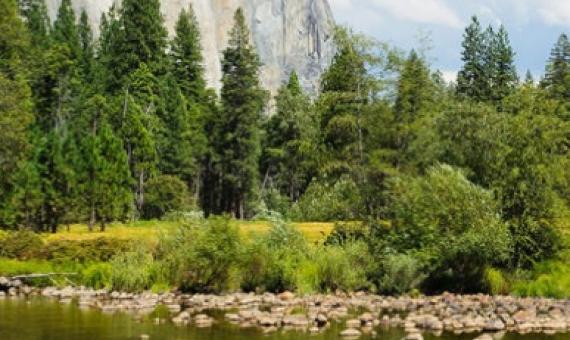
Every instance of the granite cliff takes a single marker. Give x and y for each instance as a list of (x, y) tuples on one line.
[(288, 34)]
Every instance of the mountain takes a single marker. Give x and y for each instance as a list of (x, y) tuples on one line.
[(288, 34)]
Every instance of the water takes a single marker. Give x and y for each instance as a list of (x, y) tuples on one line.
[(45, 319)]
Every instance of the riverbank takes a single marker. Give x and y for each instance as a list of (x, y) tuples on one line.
[(482, 316)]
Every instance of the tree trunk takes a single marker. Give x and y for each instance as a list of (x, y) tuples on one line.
[(92, 219)]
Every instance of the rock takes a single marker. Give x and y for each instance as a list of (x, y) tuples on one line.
[(2, 294), (353, 323), (288, 34), (314, 330), (414, 336), (286, 296), (321, 320), (350, 333), (144, 337), (203, 321), (366, 318), (484, 337), (267, 321), (494, 325), (4, 281), (232, 317)]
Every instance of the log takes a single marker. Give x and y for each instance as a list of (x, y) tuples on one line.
[(38, 276)]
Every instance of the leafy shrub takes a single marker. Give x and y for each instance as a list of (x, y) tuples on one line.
[(454, 223), (342, 268), (323, 202), (496, 283), (201, 257), (97, 275), (165, 194), (101, 249), (346, 232), (132, 271), (23, 244), (402, 274), (550, 279), (270, 262)]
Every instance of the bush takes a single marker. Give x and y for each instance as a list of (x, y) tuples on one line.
[(97, 276), (132, 271), (454, 223), (270, 262), (549, 279), (341, 268), (165, 194), (97, 250), (22, 245), (323, 202), (402, 274), (200, 258), (346, 232), (496, 283)]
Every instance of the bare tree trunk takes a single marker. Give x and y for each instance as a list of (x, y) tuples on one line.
[(92, 218)]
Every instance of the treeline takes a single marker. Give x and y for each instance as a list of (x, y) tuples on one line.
[(124, 126)]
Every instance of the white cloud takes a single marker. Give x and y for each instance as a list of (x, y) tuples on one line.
[(449, 76), (421, 11), (555, 12)]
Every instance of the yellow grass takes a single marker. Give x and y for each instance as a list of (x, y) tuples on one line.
[(150, 230)]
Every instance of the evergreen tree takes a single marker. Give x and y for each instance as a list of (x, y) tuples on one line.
[(37, 21), (105, 180), (504, 78), (65, 29), (557, 78), (415, 97), (182, 140), (286, 162), (471, 80), (236, 141), (186, 55), (138, 124), (345, 88), (87, 48)]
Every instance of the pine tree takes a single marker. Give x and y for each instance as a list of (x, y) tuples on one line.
[(143, 40), (105, 181), (138, 124), (505, 78), (182, 141), (15, 104), (37, 21), (472, 81), (557, 78), (86, 62), (285, 161), (65, 29), (415, 97), (236, 140), (186, 55), (344, 91)]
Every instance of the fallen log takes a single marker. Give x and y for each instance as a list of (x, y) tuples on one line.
[(39, 276)]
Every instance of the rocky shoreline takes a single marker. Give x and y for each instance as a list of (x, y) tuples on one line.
[(361, 313)]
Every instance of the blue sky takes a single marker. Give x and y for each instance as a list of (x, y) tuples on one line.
[(533, 25)]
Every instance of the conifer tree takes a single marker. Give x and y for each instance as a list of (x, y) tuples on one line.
[(557, 78), (37, 21), (286, 160), (186, 55), (86, 62), (504, 77), (138, 124), (65, 29), (471, 80), (236, 140)]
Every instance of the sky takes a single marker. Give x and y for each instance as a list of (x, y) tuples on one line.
[(533, 25)]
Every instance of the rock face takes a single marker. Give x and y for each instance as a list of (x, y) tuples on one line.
[(288, 34)]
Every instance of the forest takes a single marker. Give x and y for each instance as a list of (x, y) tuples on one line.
[(433, 185)]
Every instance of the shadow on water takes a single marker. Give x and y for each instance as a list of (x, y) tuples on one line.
[(37, 319)]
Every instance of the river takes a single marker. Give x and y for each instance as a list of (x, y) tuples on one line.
[(38, 318)]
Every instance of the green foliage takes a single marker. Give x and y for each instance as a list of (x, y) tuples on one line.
[(23, 245), (454, 223), (401, 274), (329, 202), (551, 279), (496, 282), (132, 271), (200, 257), (97, 250), (97, 276), (346, 232), (165, 194)]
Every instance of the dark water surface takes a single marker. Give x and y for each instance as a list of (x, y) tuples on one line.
[(45, 319)]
